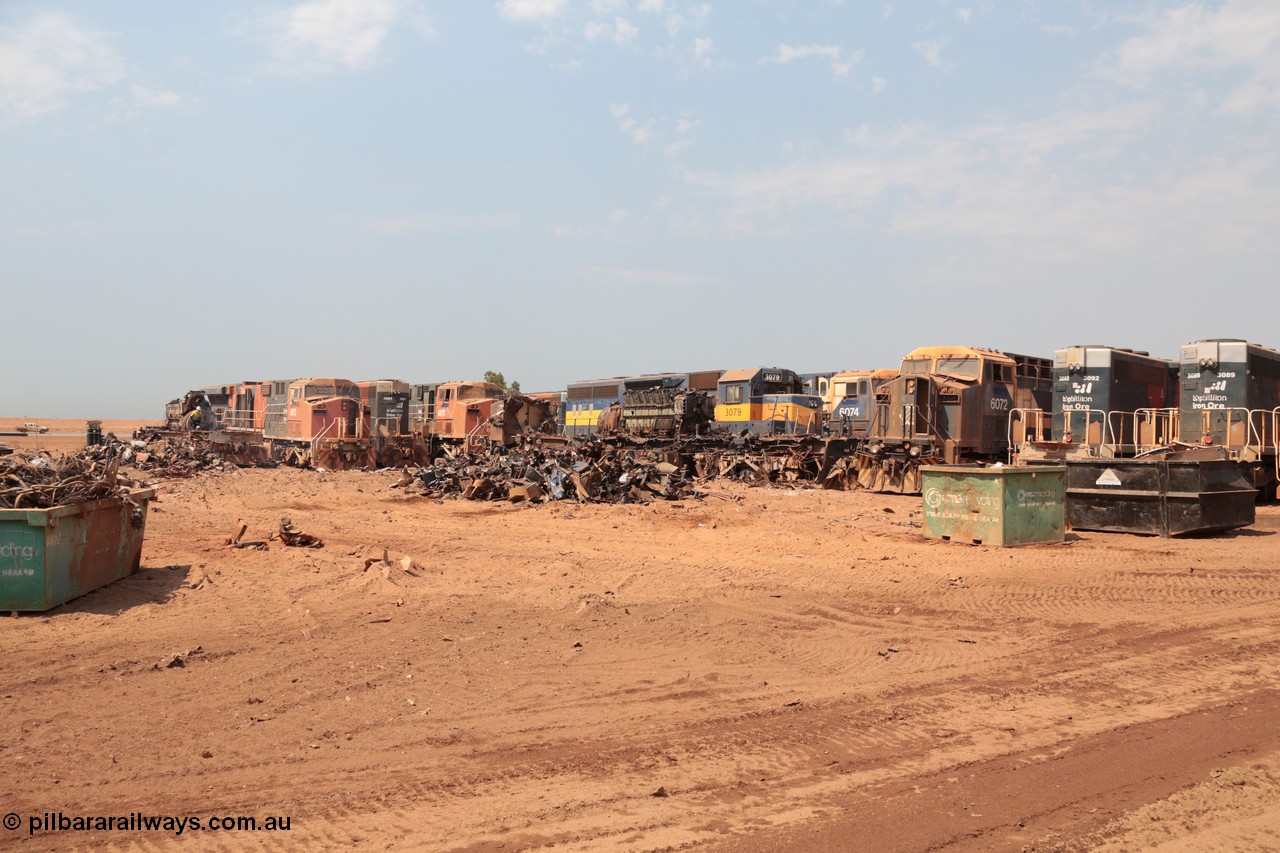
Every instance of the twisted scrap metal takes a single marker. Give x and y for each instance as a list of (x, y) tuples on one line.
[(40, 483)]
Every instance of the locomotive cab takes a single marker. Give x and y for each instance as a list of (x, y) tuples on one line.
[(766, 401), (463, 410), (324, 408), (849, 402), (948, 405)]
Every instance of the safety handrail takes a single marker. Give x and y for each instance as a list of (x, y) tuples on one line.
[(1275, 439), (1164, 427), (1023, 415), (1251, 428), (391, 422), (240, 420), (466, 442), (315, 441), (1106, 437)]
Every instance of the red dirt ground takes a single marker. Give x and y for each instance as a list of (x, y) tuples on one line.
[(793, 670)]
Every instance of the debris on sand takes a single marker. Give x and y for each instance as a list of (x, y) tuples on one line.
[(292, 537), (237, 540), (179, 660)]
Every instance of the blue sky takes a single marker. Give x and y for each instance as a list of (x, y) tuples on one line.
[(566, 189)]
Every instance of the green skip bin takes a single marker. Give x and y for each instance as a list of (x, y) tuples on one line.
[(50, 556), (995, 506)]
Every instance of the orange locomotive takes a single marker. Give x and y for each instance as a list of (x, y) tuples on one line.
[(315, 421), (470, 414)]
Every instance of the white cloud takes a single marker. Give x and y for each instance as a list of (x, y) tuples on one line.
[(834, 54), (879, 84), (618, 215), (633, 275), (620, 31), (1240, 35), (624, 31), (697, 15), (659, 29), (47, 58), (1073, 181), (684, 126), (931, 50), (327, 35), (424, 25), (445, 223), (964, 15), (656, 130), (157, 99), (638, 133), (531, 10), (673, 149), (860, 136)]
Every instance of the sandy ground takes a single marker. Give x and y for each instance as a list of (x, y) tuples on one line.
[(776, 670)]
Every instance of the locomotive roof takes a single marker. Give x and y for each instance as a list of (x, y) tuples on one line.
[(1123, 352), (1266, 349), (878, 373), (470, 382), (749, 373), (959, 352)]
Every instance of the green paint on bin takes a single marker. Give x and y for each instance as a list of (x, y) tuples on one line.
[(50, 556), (994, 506)]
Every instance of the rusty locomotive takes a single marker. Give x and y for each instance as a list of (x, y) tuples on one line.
[(948, 405), (871, 429)]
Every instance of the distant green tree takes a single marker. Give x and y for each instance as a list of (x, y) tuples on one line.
[(501, 381)]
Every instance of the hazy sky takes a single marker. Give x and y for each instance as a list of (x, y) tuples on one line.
[(197, 193)]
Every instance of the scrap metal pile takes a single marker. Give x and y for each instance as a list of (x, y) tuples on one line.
[(169, 457), (588, 471), (600, 469), (41, 483)]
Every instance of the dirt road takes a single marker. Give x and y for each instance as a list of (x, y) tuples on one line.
[(776, 671)]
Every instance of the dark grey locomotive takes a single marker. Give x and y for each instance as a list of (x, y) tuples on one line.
[(1110, 396)]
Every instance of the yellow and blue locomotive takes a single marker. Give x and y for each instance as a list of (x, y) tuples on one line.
[(767, 401)]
